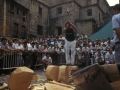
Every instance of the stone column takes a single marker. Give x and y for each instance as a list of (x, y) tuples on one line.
[(4, 19)]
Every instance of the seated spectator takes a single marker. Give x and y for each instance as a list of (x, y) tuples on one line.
[(110, 57), (98, 52), (93, 49), (109, 45), (99, 59), (46, 60), (104, 48)]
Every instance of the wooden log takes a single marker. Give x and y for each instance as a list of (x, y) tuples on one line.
[(72, 69), (52, 72), (111, 72), (63, 73), (20, 79), (37, 87), (58, 86), (36, 78), (91, 78), (3, 86)]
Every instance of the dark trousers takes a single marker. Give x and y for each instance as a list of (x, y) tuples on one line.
[(117, 52)]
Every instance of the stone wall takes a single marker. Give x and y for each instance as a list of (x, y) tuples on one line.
[(60, 19), (1, 16), (35, 18), (85, 27), (16, 16)]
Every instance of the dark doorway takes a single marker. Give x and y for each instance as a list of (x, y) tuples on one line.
[(40, 30), (59, 30)]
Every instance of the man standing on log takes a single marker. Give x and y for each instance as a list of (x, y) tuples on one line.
[(70, 42)]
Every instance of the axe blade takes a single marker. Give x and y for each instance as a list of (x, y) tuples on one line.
[(91, 78)]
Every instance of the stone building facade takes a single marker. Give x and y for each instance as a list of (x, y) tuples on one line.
[(14, 19), (31, 18), (87, 15), (23, 18)]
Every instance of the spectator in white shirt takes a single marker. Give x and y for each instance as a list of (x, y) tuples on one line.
[(110, 57), (109, 45), (99, 59), (98, 52), (46, 60), (104, 48)]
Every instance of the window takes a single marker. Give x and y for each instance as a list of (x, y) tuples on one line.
[(24, 16), (23, 31), (15, 28), (39, 30), (59, 10), (24, 13), (23, 19), (11, 7), (40, 11), (59, 30), (89, 12), (17, 10), (89, 1)]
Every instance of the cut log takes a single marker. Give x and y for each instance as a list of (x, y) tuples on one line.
[(52, 72), (37, 87), (91, 78), (36, 78), (20, 79), (72, 69), (3, 86), (63, 73), (58, 86), (111, 72)]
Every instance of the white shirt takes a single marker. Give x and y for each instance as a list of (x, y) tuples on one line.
[(59, 43), (29, 46), (110, 56), (50, 49), (41, 47), (17, 46), (2, 46), (47, 59), (85, 49), (96, 54), (101, 58), (52, 43), (115, 24)]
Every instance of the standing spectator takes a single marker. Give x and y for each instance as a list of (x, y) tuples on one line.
[(19, 48), (85, 54), (3, 49), (25, 54), (116, 31)]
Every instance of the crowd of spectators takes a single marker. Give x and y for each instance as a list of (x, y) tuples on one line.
[(31, 51)]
